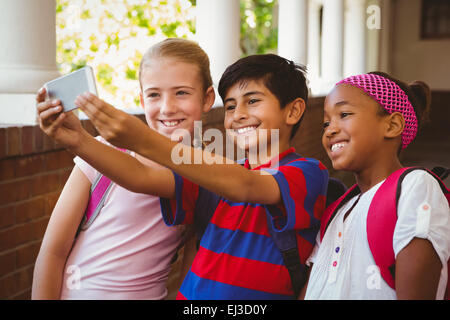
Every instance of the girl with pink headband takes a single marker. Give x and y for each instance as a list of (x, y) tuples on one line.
[(368, 120)]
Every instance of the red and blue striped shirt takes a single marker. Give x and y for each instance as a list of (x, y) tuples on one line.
[(237, 258)]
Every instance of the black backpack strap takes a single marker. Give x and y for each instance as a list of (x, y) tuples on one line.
[(441, 172), (335, 190), (286, 242), (350, 193)]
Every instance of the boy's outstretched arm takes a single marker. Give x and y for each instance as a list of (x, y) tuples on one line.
[(125, 170), (231, 181)]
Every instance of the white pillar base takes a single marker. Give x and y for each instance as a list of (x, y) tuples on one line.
[(18, 109), (24, 79)]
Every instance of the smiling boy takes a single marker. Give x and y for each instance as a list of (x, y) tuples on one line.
[(237, 258)]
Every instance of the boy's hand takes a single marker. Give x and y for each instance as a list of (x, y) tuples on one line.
[(64, 128), (117, 127)]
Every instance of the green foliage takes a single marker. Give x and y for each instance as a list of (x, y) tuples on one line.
[(112, 35), (169, 29), (258, 31), (131, 74), (105, 77)]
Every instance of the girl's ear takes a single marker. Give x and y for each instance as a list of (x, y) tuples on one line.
[(210, 97), (295, 110), (395, 123), (141, 98)]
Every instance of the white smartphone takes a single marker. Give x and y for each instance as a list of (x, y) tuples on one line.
[(68, 87)]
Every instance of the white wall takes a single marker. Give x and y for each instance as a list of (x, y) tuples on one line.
[(414, 58)]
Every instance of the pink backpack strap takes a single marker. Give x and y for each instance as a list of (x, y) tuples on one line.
[(331, 210), (99, 190), (382, 219), (98, 193)]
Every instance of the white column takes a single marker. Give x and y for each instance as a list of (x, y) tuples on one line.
[(28, 56), (354, 37), (377, 23), (385, 45), (332, 42), (292, 30), (314, 45), (218, 32)]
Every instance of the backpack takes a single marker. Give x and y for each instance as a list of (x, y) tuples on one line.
[(380, 229)]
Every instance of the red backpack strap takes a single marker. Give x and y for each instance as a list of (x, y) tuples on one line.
[(331, 210), (382, 219)]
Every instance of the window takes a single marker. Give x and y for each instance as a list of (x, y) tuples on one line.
[(435, 19)]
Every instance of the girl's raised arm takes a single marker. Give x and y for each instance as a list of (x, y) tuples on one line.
[(125, 170)]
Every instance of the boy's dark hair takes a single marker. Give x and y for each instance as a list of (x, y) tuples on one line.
[(284, 78)]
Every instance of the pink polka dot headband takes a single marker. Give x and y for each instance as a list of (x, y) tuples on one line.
[(391, 97)]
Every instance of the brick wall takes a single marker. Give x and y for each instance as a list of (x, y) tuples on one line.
[(33, 171)]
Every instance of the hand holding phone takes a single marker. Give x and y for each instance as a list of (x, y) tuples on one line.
[(68, 87), (63, 127)]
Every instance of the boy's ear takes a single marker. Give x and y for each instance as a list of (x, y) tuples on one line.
[(295, 110), (210, 97), (395, 123)]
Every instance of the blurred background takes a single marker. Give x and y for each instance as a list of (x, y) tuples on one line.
[(43, 39)]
